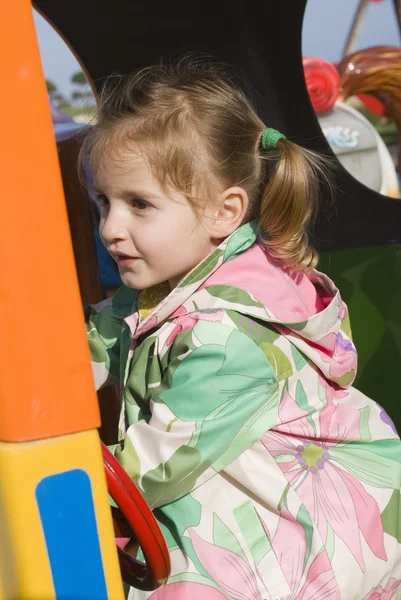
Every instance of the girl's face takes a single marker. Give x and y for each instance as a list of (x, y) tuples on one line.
[(152, 237)]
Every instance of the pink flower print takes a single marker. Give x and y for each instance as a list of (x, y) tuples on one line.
[(387, 420), (146, 325), (320, 583), (319, 473), (186, 320), (332, 390), (337, 351), (289, 544), (293, 418), (326, 344), (227, 569), (389, 592), (179, 312), (338, 422), (132, 322), (341, 362), (344, 344), (183, 590)]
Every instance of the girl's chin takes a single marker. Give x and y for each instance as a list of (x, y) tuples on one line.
[(137, 282), (132, 282)]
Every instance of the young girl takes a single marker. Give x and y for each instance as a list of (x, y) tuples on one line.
[(270, 476)]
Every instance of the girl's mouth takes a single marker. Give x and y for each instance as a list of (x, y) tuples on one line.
[(124, 260)]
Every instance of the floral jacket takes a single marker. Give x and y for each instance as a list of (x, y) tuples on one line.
[(270, 476)]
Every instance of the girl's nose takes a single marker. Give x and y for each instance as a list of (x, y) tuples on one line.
[(112, 227)]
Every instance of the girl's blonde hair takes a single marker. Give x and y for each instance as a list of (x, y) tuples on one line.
[(200, 134)]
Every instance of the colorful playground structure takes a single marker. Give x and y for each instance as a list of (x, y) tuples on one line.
[(57, 538), (352, 137)]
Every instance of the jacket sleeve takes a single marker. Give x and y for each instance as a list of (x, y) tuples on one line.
[(103, 332), (217, 397)]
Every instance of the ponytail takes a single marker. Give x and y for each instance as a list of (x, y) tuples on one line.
[(289, 202)]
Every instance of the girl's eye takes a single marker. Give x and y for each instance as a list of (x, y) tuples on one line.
[(139, 205)]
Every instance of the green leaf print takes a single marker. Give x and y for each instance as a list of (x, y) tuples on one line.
[(284, 458), (299, 359), (154, 373), (251, 327), (104, 347), (365, 462), (304, 518), (172, 358), (143, 362), (383, 448), (175, 518), (205, 334), (129, 459), (105, 322), (330, 541), (297, 326), (191, 554), (181, 471), (224, 537), (252, 531), (364, 424), (169, 426), (204, 269), (233, 295), (98, 344), (278, 360), (302, 400), (283, 499), (346, 326), (236, 244), (252, 430), (391, 516), (229, 391), (214, 374), (124, 301), (345, 379)]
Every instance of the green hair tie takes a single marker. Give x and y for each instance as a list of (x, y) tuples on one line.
[(270, 137)]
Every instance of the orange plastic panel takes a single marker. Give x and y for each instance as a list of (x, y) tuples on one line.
[(46, 386)]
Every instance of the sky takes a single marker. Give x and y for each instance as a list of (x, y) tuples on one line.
[(325, 30)]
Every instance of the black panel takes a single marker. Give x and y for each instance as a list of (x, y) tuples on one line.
[(263, 39)]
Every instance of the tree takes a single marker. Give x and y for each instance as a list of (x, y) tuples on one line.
[(51, 87), (79, 78), (84, 92), (55, 96)]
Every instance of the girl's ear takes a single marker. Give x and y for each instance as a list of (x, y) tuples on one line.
[(232, 206)]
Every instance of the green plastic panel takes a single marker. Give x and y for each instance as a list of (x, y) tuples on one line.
[(369, 280)]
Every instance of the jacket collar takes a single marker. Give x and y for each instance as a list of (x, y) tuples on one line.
[(125, 300)]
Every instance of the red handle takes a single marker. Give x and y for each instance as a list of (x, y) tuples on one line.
[(156, 570)]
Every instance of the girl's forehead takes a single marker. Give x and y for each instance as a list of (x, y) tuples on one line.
[(117, 157), (122, 164), (129, 173)]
